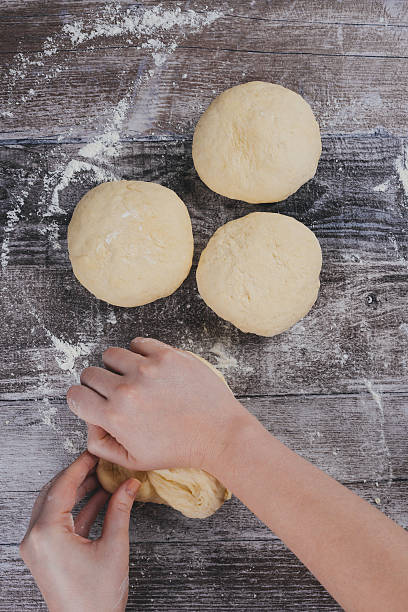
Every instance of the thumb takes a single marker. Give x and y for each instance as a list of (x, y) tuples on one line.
[(116, 524)]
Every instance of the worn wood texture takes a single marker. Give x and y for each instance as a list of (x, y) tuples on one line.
[(359, 315), (334, 388), (88, 83)]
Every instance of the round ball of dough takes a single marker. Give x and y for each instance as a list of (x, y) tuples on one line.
[(257, 142), (195, 493), (261, 272), (130, 242)]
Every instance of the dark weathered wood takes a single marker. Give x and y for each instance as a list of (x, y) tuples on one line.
[(166, 105), (349, 436), (360, 313), (235, 28), (233, 522), (378, 12), (334, 388), (204, 576)]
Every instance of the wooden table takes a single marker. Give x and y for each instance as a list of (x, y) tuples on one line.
[(132, 80)]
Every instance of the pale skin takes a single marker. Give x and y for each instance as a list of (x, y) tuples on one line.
[(156, 407)]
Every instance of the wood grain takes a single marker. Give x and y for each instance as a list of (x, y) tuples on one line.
[(199, 576), (359, 314), (345, 435), (168, 106), (334, 388)]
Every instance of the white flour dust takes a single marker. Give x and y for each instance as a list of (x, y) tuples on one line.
[(383, 186), (402, 169), (157, 30), (68, 353), (107, 144), (224, 361), (13, 217), (376, 395), (48, 414), (68, 174), (150, 23)]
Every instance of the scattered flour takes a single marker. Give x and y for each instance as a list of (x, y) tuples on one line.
[(13, 217), (69, 353), (383, 186), (224, 361), (48, 414), (70, 174), (111, 318), (379, 402), (402, 169), (107, 144), (157, 29), (404, 328)]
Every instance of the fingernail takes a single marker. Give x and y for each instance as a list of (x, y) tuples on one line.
[(132, 487)]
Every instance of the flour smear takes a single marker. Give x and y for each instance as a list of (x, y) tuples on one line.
[(157, 31)]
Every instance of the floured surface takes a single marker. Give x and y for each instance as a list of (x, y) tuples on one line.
[(334, 387)]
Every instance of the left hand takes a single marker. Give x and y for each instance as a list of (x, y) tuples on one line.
[(73, 572)]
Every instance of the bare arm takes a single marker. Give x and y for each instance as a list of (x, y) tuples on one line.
[(355, 551), (164, 408)]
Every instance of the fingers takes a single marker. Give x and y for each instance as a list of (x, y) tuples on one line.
[(88, 405), (120, 360), (116, 525), (90, 484), (86, 517), (61, 496), (102, 444), (100, 380), (147, 346)]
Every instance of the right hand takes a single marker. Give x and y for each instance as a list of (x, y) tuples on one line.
[(156, 407)]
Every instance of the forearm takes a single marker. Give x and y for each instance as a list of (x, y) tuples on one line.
[(355, 551)]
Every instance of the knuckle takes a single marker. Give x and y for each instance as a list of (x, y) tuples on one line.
[(147, 369), (93, 446), (72, 398), (126, 391), (122, 506), (88, 374), (32, 541), (111, 352), (165, 354)]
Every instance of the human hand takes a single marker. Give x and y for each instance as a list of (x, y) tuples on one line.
[(158, 407), (74, 573)]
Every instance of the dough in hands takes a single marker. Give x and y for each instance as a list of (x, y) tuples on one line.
[(193, 492), (261, 272), (130, 242), (257, 142)]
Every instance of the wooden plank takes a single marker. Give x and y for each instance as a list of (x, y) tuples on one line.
[(163, 104), (360, 312), (327, 11), (233, 29), (352, 437), (201, 576), (233, 522)]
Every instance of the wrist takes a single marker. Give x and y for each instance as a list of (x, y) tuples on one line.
[(236, 432)]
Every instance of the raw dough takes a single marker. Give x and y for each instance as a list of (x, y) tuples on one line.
[(261, 272), (257, 142), (193, 492), (130, 242)]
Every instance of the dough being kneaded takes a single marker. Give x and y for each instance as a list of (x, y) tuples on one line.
[(193, 492)]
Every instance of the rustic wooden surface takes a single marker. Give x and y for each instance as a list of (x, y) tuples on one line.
[(334, 387)]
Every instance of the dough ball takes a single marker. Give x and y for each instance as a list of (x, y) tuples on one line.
[(261, 272), (193, 492), (130, 242), (257, 142)]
